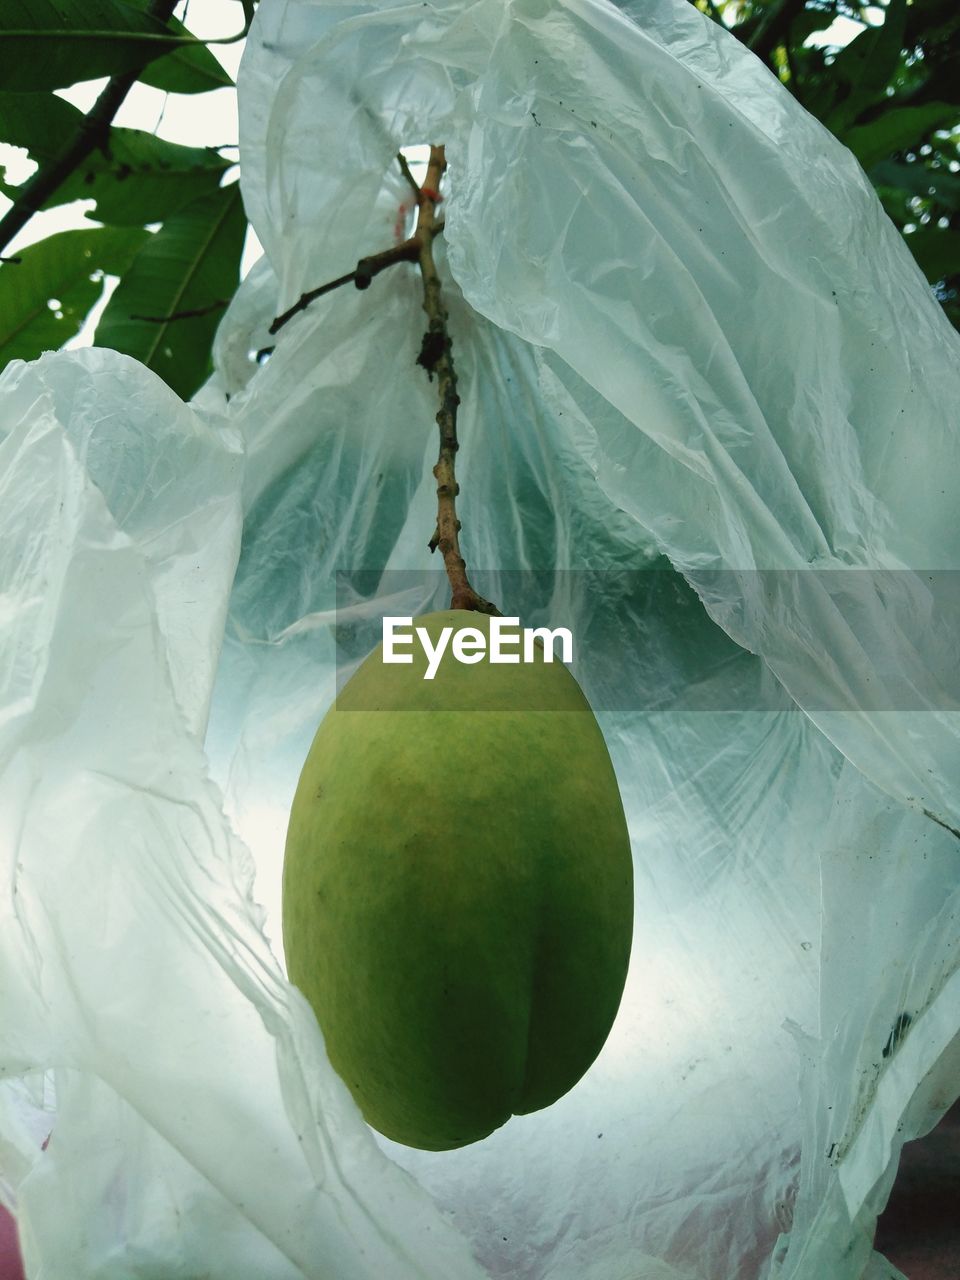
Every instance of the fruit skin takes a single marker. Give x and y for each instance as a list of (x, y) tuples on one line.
[(458, 891)]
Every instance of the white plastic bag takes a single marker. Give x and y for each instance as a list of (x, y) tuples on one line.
[(134, 970), (664, 282)]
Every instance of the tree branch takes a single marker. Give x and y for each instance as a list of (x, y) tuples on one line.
[(366, 268), (361, 276), (436, 356), (93, 133), (405, 170)]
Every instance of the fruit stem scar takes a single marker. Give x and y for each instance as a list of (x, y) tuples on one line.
[(436, 356)]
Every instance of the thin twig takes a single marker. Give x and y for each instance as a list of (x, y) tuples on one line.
[(305, 299), (361, 276), (405, 170), (92, 133), (436, 356), (366, 268)]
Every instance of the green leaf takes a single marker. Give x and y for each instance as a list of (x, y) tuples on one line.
[(918, 179), (48, 44), (866, 65), (937, 251), (897, 130), (140, 178), (190, 69), (39, 122), (135, 178), (807, 22), (65, 268), (166, 308), (144, 178)]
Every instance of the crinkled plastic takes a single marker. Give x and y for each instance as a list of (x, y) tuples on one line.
[(687, 340)]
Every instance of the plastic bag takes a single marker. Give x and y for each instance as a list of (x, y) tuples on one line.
[(665, 280)]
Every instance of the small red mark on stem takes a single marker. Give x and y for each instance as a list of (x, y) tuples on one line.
[(400, 226)]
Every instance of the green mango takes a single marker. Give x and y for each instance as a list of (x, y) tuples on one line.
[(458, 890)]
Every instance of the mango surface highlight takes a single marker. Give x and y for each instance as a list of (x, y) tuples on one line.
[(458, 890)]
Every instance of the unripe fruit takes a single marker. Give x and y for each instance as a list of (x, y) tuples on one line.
[(458, 890)]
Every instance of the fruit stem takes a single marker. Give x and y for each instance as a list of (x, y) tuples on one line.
[(436, 356)]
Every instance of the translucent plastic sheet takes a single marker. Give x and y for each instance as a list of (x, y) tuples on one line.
[(687, 341)]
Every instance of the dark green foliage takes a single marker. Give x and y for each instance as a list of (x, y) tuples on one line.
[(134, 177), (47, 44), (166, 308), (176, 282), (190, 69), (39, 122), (892, 95), (861, 71), (897, 130), (45, 297)]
